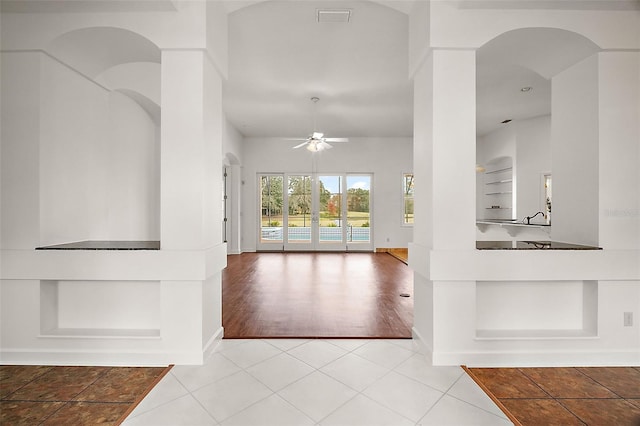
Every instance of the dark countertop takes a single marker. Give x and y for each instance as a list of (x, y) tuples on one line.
[(105, 245), (509, 222), (530, 245)]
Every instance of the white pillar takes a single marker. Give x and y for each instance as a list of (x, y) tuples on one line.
[(454, 149), (444, 165), (619, 150), (191, 190), (182, 150)]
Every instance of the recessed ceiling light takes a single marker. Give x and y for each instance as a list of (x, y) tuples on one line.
[(526, 89)]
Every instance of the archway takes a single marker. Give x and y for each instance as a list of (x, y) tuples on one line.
[(514, 73)]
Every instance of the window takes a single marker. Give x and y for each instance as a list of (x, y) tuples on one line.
[(407, 191)]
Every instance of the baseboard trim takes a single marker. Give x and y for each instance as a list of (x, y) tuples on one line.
[(213, 343), (423, 347)]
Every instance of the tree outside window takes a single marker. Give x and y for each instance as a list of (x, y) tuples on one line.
[(407, 189)]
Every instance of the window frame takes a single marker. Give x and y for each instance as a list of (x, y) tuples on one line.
[(405, 197)]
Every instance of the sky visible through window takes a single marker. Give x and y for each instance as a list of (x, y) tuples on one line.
[(358, 182)]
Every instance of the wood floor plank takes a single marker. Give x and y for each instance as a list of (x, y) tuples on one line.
[(316, 295)]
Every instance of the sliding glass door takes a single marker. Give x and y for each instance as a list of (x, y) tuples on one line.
[(271, 205), (358, 210), (300, 217), (317, 212)]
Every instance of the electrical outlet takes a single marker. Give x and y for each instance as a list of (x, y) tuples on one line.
[(628, 319)]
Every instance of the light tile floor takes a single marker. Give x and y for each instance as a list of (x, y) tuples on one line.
[(316, 382)]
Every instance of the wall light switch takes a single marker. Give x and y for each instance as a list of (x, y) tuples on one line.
[(628, 319)]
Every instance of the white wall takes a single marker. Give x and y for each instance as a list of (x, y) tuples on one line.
[(528, 143), (232, 154), (533, 159), (574, 148), (74, 154), (386, 158), (99, 162), (232, 141), (20, 167), (490, 148), (92, 164), (133, 172), (619, 150)]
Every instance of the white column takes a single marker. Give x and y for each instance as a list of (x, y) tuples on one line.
[(574, 153), (619, 150), (454, 149), (191, 192), (444, 165), (182, 150)]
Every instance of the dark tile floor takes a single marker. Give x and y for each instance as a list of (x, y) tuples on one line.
[(594, 396), (49, 395)]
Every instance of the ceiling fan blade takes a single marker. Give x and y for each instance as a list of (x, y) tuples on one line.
[(336, 139), (301, 145), (323, 145)]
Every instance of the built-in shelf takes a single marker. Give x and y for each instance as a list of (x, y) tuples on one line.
[(499, 181), (498, 194), (504, 169), (536, 310)]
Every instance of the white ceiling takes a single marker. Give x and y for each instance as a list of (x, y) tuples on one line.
[(280, 57)]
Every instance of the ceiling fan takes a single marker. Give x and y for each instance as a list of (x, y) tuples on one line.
[(316, 141)]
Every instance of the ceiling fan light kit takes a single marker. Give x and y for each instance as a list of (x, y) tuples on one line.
[(316, 142)]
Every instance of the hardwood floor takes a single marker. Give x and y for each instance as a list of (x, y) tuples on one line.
[(316, 295)]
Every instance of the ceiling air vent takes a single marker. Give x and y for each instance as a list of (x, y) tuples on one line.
[(334, 15)]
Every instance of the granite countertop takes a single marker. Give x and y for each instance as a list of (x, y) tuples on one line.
[(530, 245), (509, 222), (105, 245)]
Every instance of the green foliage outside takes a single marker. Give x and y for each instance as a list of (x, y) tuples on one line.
[(299, 197)]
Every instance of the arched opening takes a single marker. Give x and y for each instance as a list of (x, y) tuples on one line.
[(101, 174), (515, 83)]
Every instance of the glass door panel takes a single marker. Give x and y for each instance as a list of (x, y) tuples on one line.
[(314, 212), (299, 209), (359, 212), (271, 212), (330, 210)]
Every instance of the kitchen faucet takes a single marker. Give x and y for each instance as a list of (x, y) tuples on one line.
[(528, 218)]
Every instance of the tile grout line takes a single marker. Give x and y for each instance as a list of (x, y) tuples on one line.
[(66, 403)]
